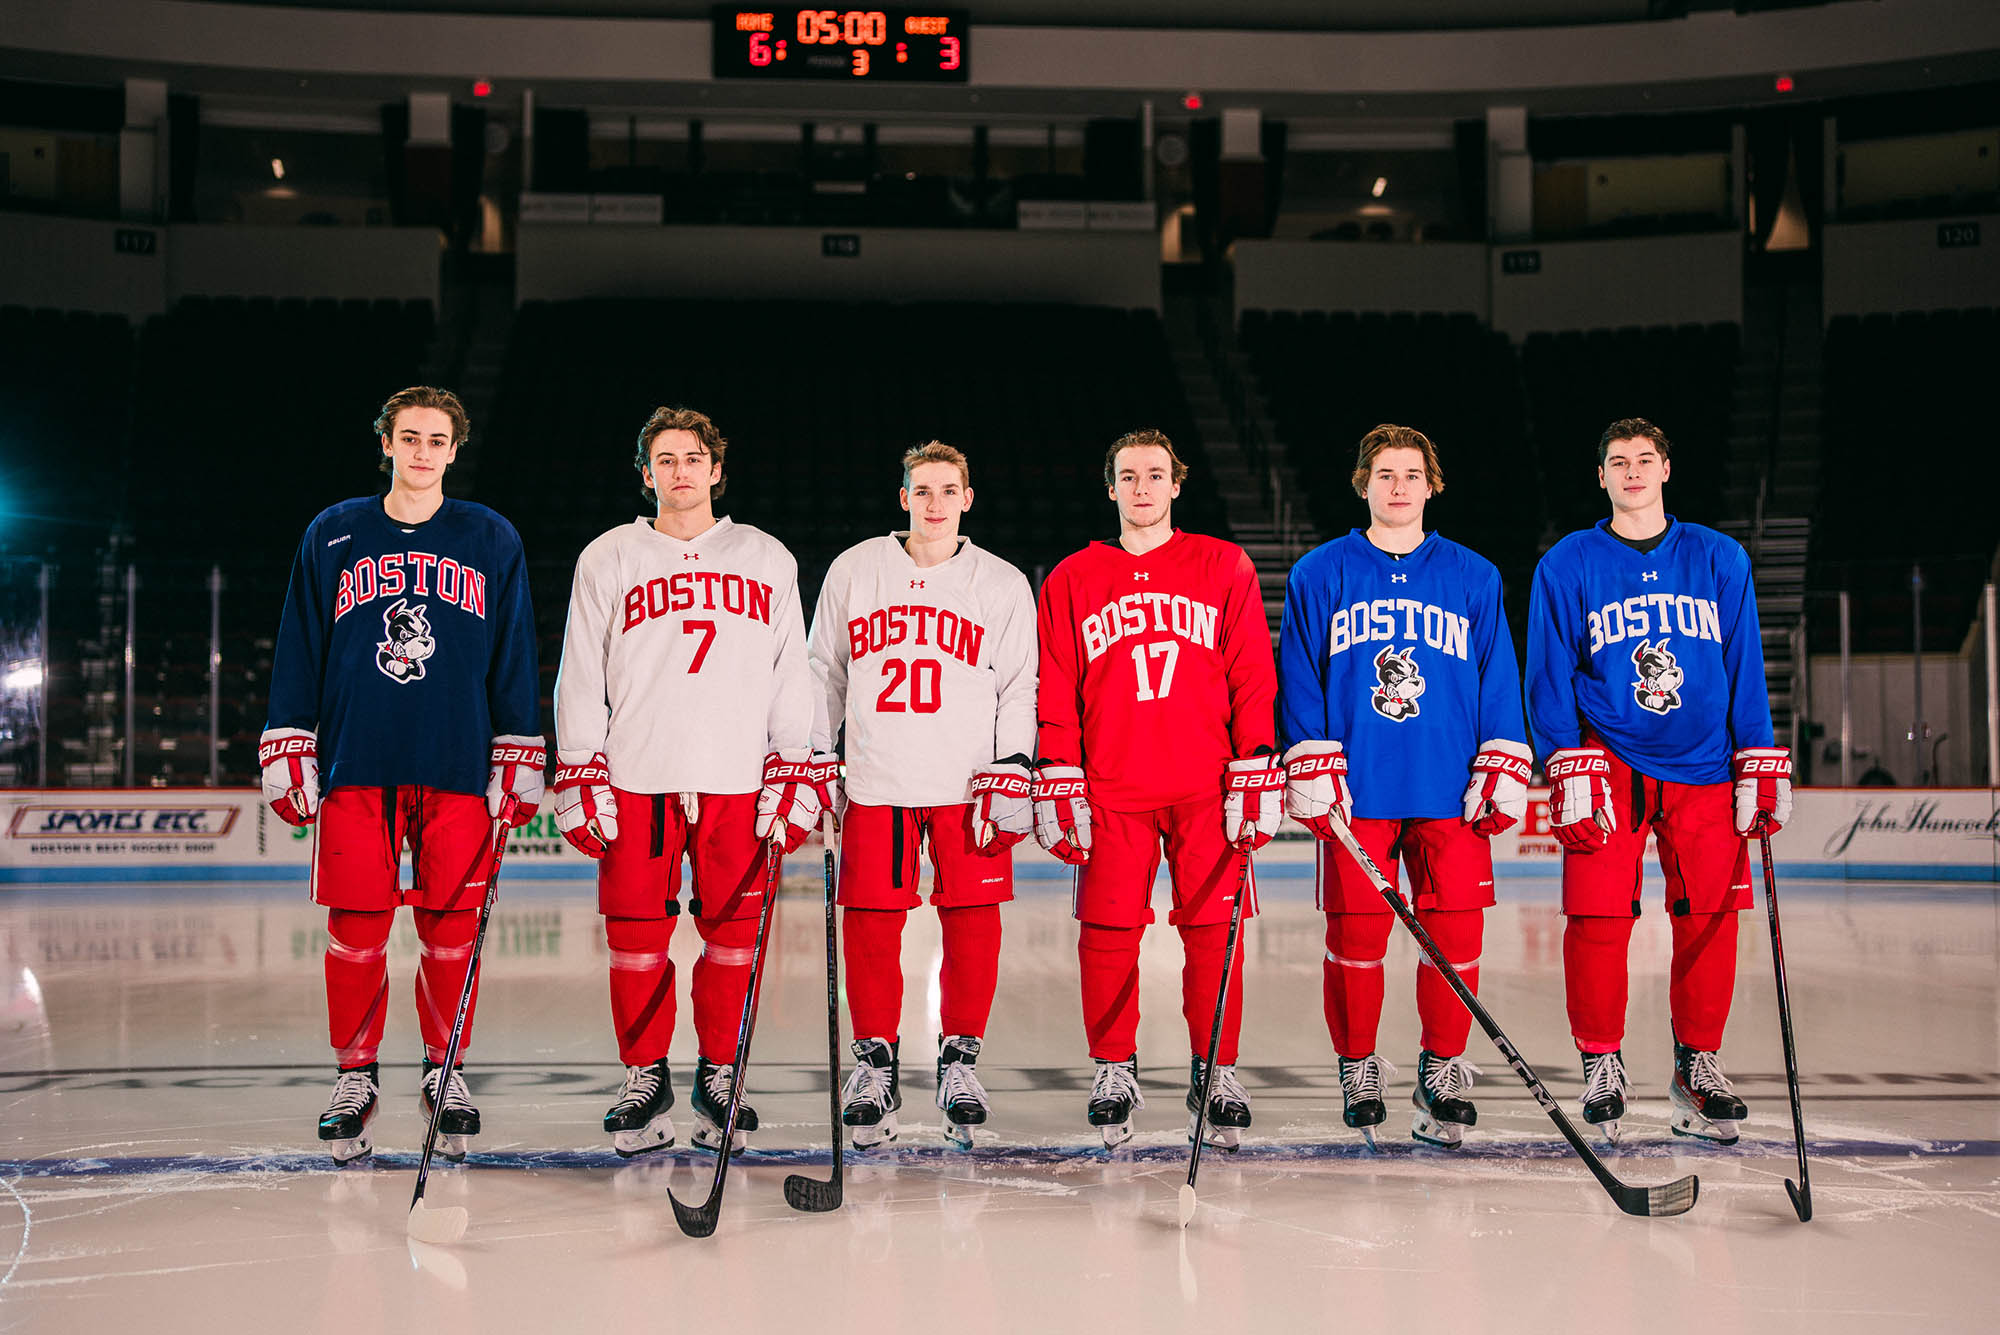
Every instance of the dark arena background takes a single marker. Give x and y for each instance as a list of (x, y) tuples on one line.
[(228, 232)]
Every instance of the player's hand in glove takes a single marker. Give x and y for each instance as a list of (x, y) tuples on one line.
[(1316, 786), (586, 808), (517, 767), (290, 759), (1497, 797), (1252, 800), (1003, 807), (788, 807), (826, 782), (1763, 789), (1580, 798), (1062, 813)]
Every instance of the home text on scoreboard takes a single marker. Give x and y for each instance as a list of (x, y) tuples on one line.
[(858, 45)]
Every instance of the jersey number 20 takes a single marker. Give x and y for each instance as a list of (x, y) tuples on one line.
[(926, 686)]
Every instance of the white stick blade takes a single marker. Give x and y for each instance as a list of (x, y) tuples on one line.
[(1187, 1204), (440, 1227)]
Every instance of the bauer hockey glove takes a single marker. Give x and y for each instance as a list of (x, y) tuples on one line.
[(517, 771), (1580, 811), (1003, 808), (1497, 797), (1062, 813), (1316, 786), (586, 807), (789, 805), (1763, 789), (1253, 799), (290, 760)]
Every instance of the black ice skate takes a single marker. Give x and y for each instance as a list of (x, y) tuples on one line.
[(1228, 1105), (638, 1122), (1443, 1111), (710, 1101), (959, 1092), (1361, 1090), (1113, 1096), (1704, 1107), (873, 1094), (459, 1122), (344, 1124), (1605, 1089)]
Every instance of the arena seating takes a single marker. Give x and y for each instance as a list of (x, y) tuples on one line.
[(65, 406)]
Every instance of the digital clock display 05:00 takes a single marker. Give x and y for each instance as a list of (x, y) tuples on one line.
[(869, 45)]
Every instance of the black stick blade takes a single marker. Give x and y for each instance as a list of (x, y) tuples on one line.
[(812, 1195), (1663, 1201), (697, 1221), (1801, 1199)]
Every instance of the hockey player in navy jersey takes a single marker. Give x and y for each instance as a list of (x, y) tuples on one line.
[(403, 713), (1647, 700), (1395, 666)]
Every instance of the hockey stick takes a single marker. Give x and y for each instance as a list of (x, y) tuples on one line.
[(699, 1221), (1243, 883), (446, 1224), (1800, 1191), (809, 1193), (1670, 1198)]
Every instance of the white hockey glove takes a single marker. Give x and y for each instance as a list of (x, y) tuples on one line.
[(586, 808), (1497, 798), (1580, 811), (1062, 813), (1763, 789), (1252, 800), (290, 760), (1003, 806), (517, 770), (1316, 786), (788, 807)]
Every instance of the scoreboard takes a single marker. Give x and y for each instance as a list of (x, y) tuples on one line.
[(865, 45)]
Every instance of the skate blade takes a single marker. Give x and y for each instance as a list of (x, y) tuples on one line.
[(440, 1227), (656, 1135), (347, 1152), (884, 1131), (1444, 1135), (453, 1149), (1226, 1138), (1116, 1134), (1696, 1127), (1609, 1130), (1368, 1138), (958, 1135), (708, 1136)]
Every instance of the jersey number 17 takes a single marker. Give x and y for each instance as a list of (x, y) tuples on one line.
[(1169, 651)]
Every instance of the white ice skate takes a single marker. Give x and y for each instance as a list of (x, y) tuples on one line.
[(1114, 1094), (959, 1092), (873, 1093)]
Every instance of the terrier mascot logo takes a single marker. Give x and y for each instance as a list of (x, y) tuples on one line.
[(401, 656), (1399, 683), (1660, 677)]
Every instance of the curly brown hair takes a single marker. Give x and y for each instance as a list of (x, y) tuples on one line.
[(422, 396), (1389, 436), (677, 418), (1632, 428), (1134, 440)]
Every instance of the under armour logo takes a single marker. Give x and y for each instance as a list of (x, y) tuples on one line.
[(1648, 574), (1142, 574), (690, 556), (916, 584), (1399, 579)]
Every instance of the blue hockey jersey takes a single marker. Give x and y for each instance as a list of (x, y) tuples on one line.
[(1657, 653), (407, 648), (1407, 663)]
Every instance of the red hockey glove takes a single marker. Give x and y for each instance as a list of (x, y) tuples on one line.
[(788, 807), (1763, 789), (1252, 800), (1316, 786), (1062, 813), (826, 782), (517, 767), (1497, 797), (1580, 798), (290, 759), (1003, 808), (586, 808)]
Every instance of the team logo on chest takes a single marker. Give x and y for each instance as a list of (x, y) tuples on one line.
[(1398, 683), (1660, 677), (401, 656)]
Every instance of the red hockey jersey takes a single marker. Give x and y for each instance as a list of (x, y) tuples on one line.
[(1156, 669)]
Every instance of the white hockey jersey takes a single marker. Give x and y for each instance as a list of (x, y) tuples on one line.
[(930, 669), (684, 662)]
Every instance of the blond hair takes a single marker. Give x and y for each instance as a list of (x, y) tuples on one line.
[(936, 452)]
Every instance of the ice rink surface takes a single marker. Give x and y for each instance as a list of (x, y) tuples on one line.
[(165, 1064)]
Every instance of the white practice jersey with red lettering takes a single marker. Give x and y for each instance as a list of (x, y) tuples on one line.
[(931, 670), (684, 662)]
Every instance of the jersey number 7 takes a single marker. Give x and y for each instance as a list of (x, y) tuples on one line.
[(705, 629), (1169, 650)]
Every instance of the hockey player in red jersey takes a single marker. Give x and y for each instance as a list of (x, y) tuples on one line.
[(683, 726), (923, 649), (403, 712), (1156, 694)]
